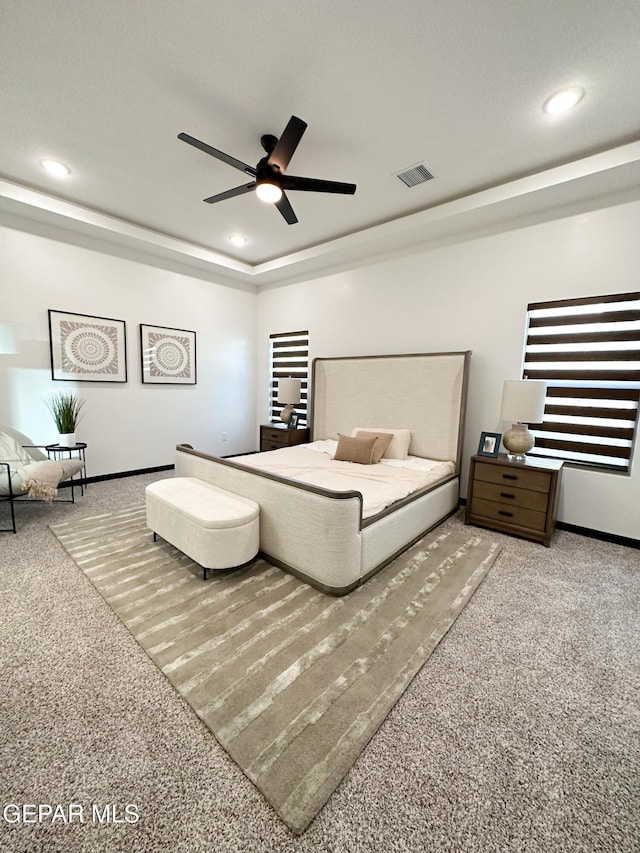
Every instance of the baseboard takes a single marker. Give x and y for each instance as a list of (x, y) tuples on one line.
[(588, 531), (120, 474), (599, 534)]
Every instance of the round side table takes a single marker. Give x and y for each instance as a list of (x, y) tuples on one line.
[(57, 451)]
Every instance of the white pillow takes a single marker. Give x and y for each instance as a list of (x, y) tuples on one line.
[(399, 446), (11, 451)]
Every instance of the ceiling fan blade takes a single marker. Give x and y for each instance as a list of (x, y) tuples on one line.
[(245, 188), (287, 144), (292, 182), (284, 206), (219, 155)]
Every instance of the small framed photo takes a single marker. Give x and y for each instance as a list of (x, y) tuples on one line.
[(489, 444), (87, 349), (293, 421), (168, 355)]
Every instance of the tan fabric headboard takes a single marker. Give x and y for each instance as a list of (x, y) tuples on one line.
[(425, 393)]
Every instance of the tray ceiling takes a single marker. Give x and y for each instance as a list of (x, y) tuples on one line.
[(106, 87)]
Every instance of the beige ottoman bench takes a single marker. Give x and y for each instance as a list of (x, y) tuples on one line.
[(217, 529)]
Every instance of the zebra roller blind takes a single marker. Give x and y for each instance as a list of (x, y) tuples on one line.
[(289, 357), (588, 350)]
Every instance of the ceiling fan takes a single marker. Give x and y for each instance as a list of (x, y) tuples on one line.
[(270, 180)]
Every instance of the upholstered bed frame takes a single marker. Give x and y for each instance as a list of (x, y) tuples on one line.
[(319, 535)]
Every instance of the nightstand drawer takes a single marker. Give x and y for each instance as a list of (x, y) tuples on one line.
[(276, 437), (511, 496), (537, 481), (512, 515)]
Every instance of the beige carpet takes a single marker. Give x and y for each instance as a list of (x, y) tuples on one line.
[(293, 683)]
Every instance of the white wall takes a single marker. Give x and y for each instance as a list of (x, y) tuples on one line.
[(474, 295), (127, 426)]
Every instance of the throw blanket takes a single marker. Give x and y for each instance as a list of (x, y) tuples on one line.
[(40, 479)]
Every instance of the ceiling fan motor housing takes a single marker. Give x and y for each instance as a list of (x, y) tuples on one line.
[(268, 173)]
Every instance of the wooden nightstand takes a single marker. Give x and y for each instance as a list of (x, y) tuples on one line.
[(275, 436), (514, 497)]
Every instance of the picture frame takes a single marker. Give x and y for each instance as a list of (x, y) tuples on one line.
[(167, 356), (293, 421), (489, 444), (87, 348)]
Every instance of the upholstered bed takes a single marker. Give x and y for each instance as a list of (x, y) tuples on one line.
[(337, 537)]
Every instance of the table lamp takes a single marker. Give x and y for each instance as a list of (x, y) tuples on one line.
[(522, 404), (289, 394)]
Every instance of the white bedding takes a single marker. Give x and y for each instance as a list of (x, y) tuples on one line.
[(380, 485)]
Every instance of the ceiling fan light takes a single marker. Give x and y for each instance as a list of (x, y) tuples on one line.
[(268, 192)]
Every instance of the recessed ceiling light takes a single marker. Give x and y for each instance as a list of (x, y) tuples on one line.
[(237, 239), (58, 170), (563, 100)]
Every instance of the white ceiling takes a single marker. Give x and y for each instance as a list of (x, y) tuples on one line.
[(106, 86)]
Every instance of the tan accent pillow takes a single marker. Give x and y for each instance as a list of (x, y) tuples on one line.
[(384, 440), (351, 449), (399, 447)]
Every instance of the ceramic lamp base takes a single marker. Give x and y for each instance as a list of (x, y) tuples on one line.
[(518, 441), (286, 413)]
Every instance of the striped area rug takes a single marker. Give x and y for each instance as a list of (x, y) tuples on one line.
[(293, 683)]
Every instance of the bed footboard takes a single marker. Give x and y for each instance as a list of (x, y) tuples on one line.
[(327, 553), (392, 534)]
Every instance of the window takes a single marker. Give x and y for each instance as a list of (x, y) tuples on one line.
[(289, 355), (588, 350)]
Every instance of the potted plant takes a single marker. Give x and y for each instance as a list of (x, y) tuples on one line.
[(65, 408)]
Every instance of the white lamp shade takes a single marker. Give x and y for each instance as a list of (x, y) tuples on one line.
[(289, 390), (523, 400)]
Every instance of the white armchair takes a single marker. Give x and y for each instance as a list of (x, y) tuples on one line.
[(27, 472)]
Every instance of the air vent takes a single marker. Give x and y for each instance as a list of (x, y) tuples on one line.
[(415, 175)]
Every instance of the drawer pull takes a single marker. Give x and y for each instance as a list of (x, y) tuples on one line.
[(506, 495), (510, 476), (504, 512)]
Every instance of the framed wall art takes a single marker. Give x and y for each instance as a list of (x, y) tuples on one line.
[(168, 355), (87, 349)]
